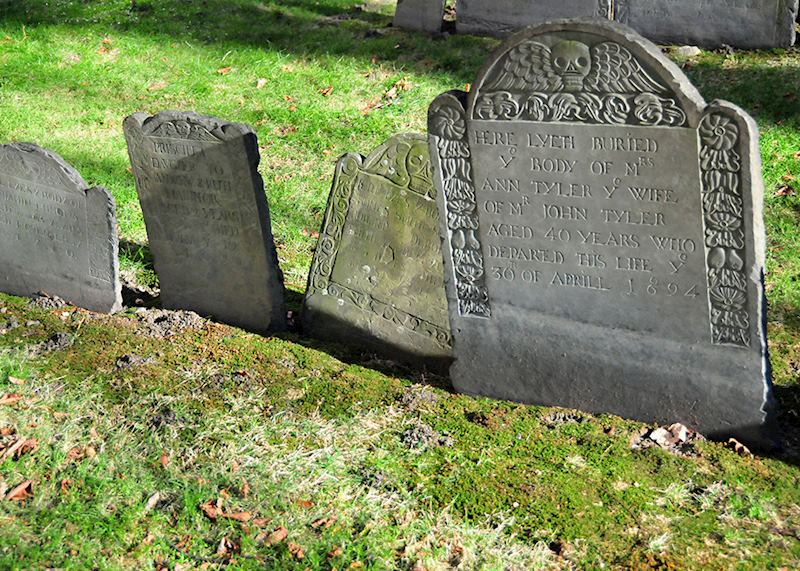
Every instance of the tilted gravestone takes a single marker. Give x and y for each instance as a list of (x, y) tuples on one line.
[(207, 217), (709, 23), (603, 235), (376, 279), (57, 235), (422, 15)]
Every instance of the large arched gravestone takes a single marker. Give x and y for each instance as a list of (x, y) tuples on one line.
[(603, 235), (57, 235)]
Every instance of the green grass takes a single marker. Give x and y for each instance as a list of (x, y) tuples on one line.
[(318, 432)]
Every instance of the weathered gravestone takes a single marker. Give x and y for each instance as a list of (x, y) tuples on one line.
[(57, 235), (603, 236), (422, 15), (376, 278), (207, 217), (710, 23)]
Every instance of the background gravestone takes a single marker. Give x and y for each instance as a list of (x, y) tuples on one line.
[(709, 23), (207, 217), (604, 244), (422, 15), (376, 278), (57, 235)]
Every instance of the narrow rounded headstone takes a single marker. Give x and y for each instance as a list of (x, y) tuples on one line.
[(422, 15), (376, 280), (57, 235), (207, 217), (603, 235)]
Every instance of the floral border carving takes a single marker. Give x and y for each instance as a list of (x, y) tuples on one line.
[(320, 275), (724, 221), (449, 125)]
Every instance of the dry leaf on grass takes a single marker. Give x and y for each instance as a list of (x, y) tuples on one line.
[(152, 502), (335, 552), (66, 484), (238, 516), (261, 83), (16, 381), (327, 91), (277, 536), (156, 85), (325, 522), (212, 509), (10, 398), (20, 447), (21, 492), (164, 461), (224, 70), (296, 551), (785, 190)]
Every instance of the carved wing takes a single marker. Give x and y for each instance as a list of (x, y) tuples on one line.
[(615, 70), (527, 67)]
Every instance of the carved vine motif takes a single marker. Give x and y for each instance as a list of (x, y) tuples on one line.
[(603, 84), (604, 9), (723, 214), (449, 125), (185, 129), (411, 169)]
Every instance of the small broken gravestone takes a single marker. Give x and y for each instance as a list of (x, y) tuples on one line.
[(376, 279), (57, 235), (708, 23), (421, 15), (207, 217), (603, 236)]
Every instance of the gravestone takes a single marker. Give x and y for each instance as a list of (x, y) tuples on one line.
[(709, 23), (422, 15), (502, 17), (207, 217), (57, 235), (376, 279), (603, 235)]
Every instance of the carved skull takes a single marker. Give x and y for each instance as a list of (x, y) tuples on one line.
[(572, 61)]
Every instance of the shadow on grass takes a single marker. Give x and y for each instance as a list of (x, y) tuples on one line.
[(302, 27)]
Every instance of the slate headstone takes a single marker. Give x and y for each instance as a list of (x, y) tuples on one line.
[(421, 15), (708, 23), (57, 235), (603, 235), (376, 279), (207, 217)]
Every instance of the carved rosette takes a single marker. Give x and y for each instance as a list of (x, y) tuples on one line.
[(449, 125), (723, 218), (401, 164)]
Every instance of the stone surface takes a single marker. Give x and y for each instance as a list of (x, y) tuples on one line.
[(502, 17), (207, 218), (422, 15), (603, 235), (708, 23), (376, 279), (57, 235), (712, 23)]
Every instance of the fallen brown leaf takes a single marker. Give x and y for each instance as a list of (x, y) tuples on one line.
[(327, 91), (467, 87), (224, 70), (261, 83), (238, 516), (277, 536), (296, 551), (19, 448), (10, 398), (16, 381), (7, 431), (304, 503), (21, 492), (66, 484), (226, 547), (260, 521), (292, 107), (148, 539), (156, 85), (738, 447), (288, 98), (212, 509), (164, 460), (323, 522), (335, 552), (785, 190)]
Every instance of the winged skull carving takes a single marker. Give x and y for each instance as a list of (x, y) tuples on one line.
[(573, 67)]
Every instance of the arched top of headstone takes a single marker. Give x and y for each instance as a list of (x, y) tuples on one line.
[(584, 71), (403, 160), (189, 126), (28, 161)]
